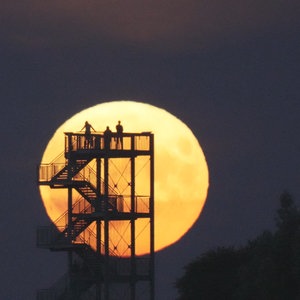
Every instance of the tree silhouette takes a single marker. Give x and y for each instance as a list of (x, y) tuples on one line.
[(268, 267), (212, 276)]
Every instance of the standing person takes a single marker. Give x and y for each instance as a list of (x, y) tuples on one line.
[(107, 138), (119, 129), (87, 134)]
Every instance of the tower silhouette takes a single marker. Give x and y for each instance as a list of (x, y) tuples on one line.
[(107, 229)]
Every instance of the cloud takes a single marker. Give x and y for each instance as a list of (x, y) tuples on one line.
[(156, 23)]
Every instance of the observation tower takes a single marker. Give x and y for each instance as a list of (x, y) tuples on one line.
[(107, 228)]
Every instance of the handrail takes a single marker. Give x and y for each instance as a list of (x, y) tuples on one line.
[(93, 172), (65, 214), (57, 157)]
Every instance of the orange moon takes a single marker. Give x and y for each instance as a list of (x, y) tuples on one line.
[(181, 173)]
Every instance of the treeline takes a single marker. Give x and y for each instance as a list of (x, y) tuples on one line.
[(267, 268)]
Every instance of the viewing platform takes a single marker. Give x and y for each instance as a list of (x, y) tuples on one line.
[(108, 145)]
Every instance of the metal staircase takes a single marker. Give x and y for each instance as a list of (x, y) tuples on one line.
[(81, 275), (69, 171)]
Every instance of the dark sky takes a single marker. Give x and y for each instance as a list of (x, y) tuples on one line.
[(230, 71)]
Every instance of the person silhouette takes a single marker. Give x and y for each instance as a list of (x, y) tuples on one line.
[(107, 138), (119, 129), (87, 134)]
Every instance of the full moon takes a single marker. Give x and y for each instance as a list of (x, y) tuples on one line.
[(181, 177)]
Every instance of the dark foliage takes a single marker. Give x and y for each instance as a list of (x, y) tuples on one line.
[(268, 267)]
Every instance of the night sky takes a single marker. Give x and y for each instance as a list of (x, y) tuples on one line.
[(230, 71)]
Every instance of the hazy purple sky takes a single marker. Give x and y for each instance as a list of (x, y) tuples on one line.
[(229, 70)]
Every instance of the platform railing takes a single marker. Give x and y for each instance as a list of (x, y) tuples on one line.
[(142, 204), (47, 171), (98, 141)]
